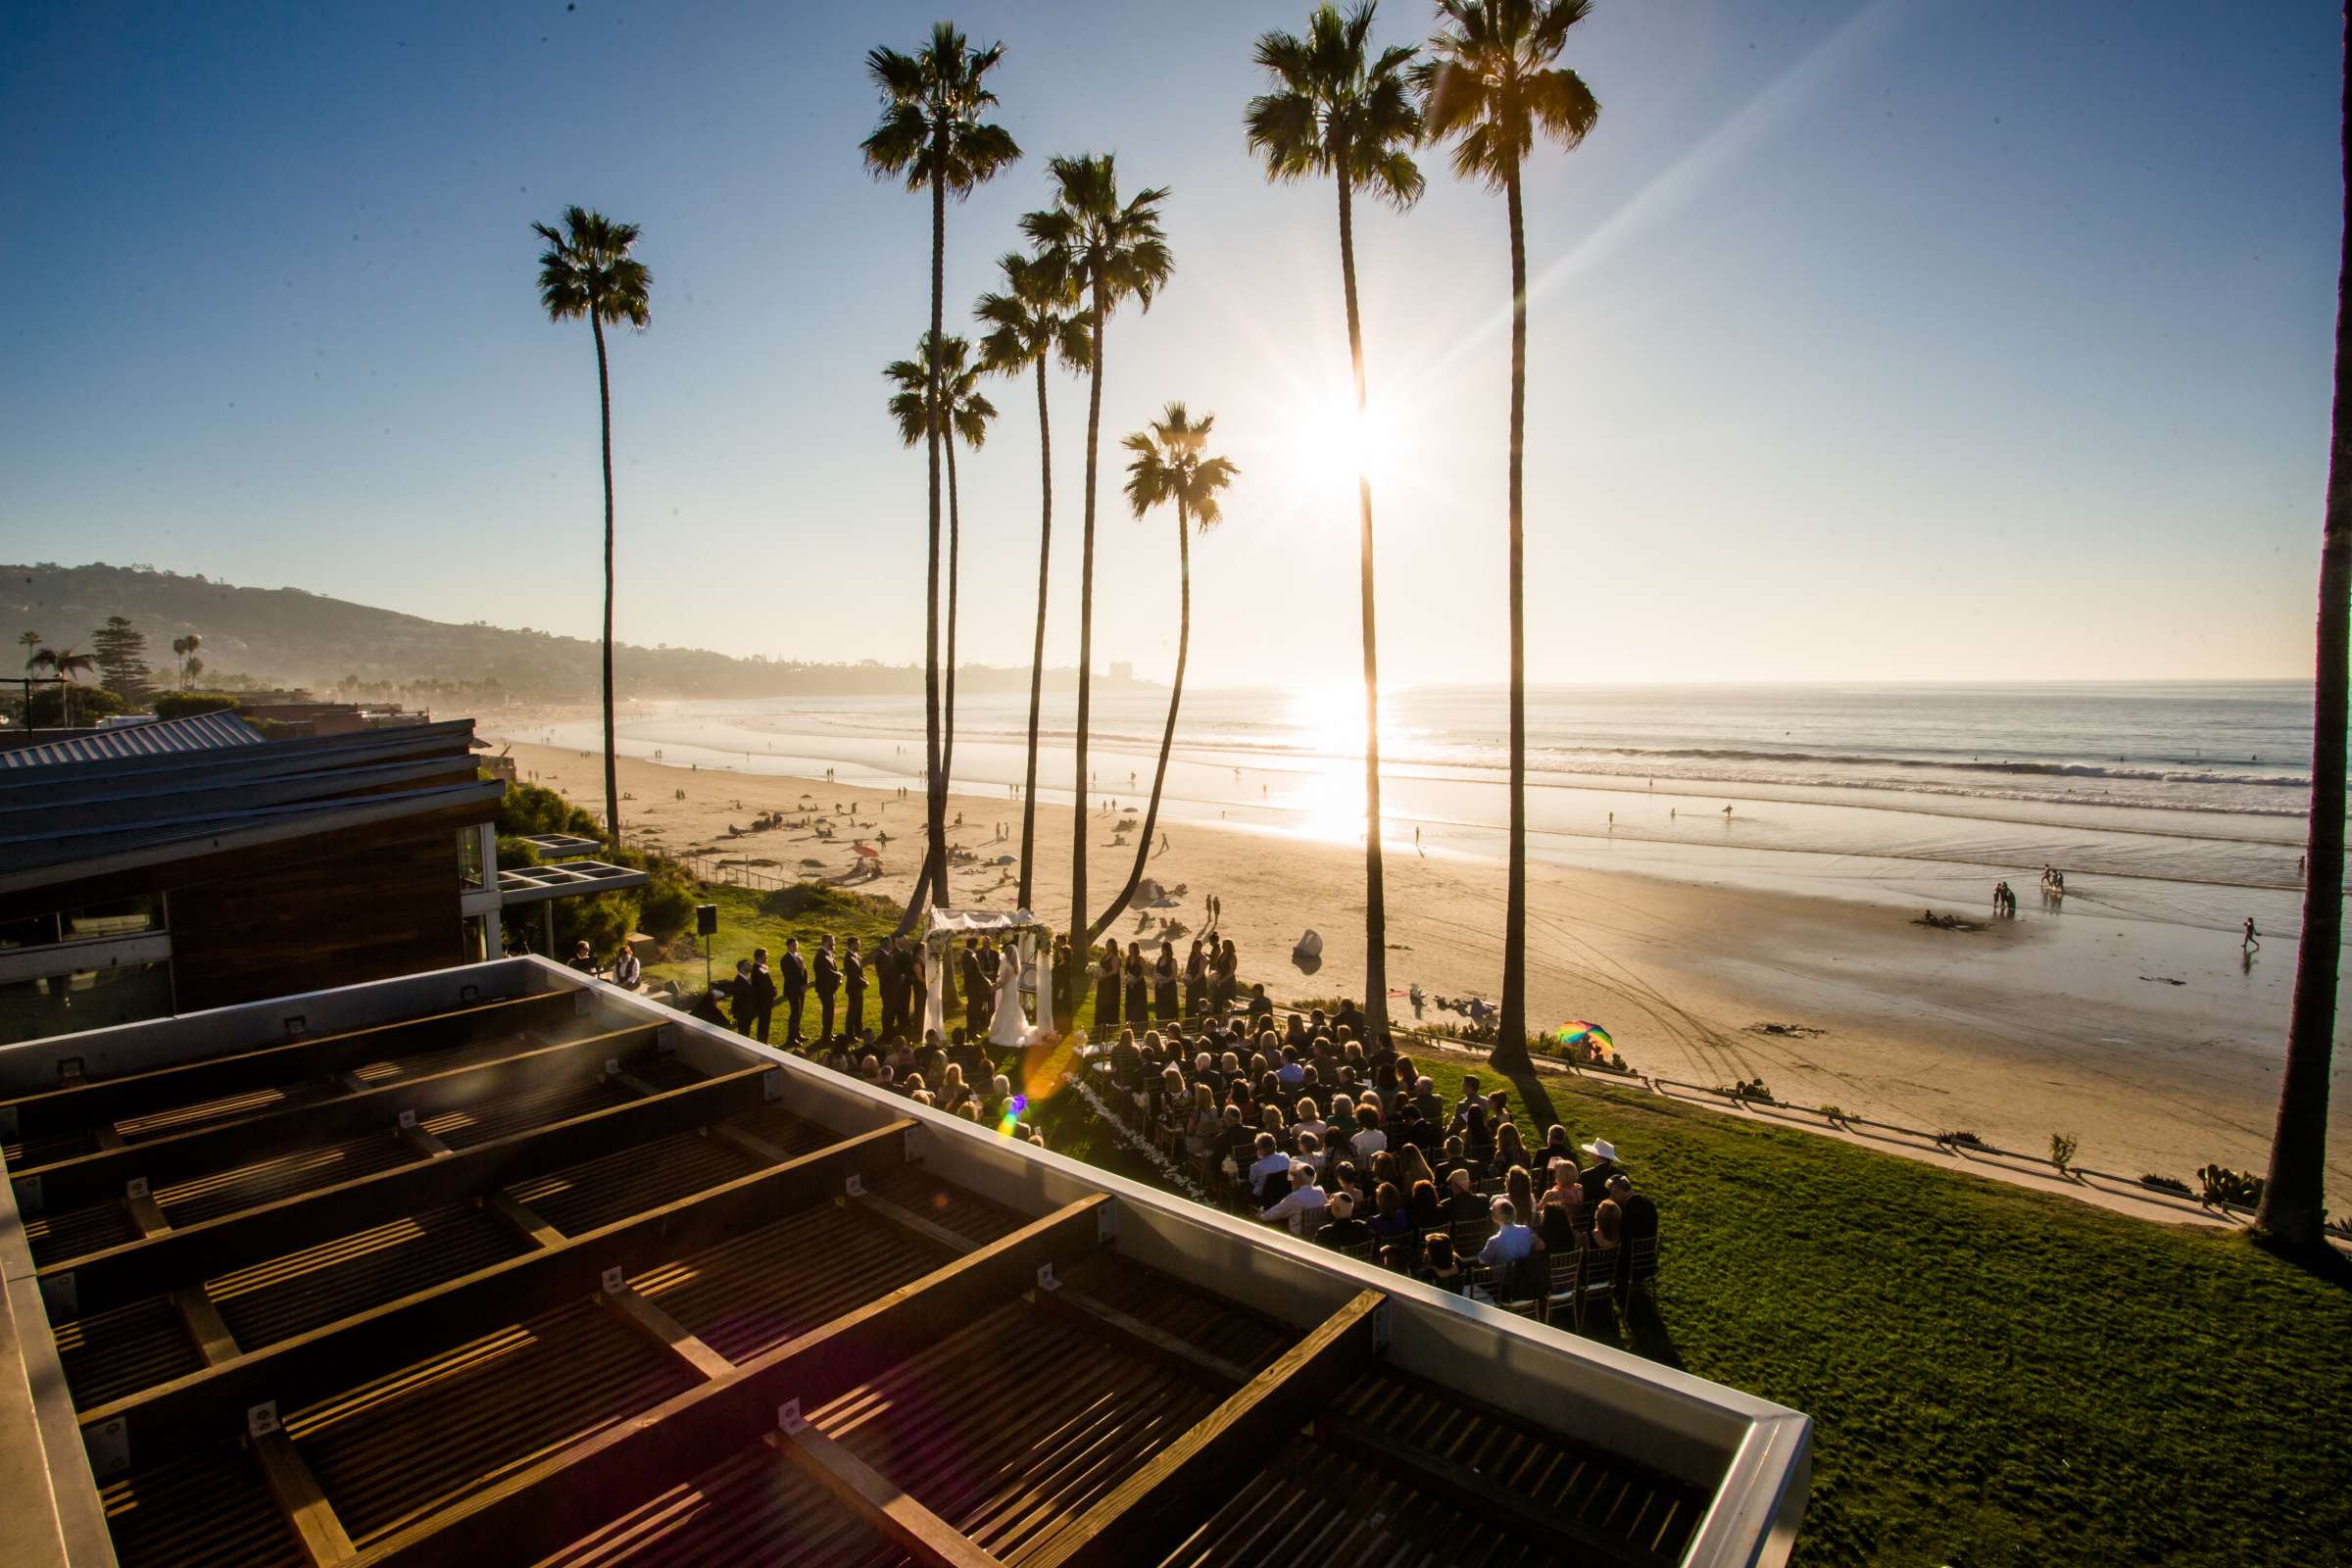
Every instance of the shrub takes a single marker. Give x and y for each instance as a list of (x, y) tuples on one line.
[(535, 809), (1834, 1113), (186, 705), (47, 709), (1961, 1140), (1748, 1088), (2225, 1186), (2062, 1151), (2167, 1184)]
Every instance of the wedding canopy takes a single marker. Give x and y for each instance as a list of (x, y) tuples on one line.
[(944, 926)]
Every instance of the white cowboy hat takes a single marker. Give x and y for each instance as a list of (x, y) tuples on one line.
[(1602, 1149)]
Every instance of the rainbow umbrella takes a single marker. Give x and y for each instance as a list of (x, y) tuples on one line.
[(1576, 1034)]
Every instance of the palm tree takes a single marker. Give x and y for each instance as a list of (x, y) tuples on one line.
[(1494, 84), (965, 415), (66, 664), (2293, 1192), (189, 663), (1168, 465), (1109, 251), (587, 271), (932, 135), (1033, 319), (30, 642), (1338, 109)]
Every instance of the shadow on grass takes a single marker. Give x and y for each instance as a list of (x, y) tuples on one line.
[(2323, 1262)]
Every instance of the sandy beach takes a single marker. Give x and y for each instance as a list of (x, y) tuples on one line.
[(2013, 1031)]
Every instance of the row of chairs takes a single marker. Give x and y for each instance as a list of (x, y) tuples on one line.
[(1562, 1282)]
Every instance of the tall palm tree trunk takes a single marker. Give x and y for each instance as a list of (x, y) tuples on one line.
[(947, 722), (1375, 903), (1167, 736), (604, 403), (935, 800), (1086, 618), (2294, 1189), (1036, 657), (1510, 1033)]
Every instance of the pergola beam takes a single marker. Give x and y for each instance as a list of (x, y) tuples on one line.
[(1150, 1512), (572, 1493), (202, 1150), (905, 1523), (77, 1286), (81, 1106), (197, 1408)]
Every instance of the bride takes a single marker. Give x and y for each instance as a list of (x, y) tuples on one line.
[(1008, 1026)]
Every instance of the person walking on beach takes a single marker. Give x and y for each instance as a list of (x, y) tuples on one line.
[(2251, 942)]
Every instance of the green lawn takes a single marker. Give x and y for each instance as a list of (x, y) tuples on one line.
[(2000, 1376), (749, 920)]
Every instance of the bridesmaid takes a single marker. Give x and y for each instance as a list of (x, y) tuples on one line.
[(1195, 981), (1107, 991), (1139, 985), (1163, 984)]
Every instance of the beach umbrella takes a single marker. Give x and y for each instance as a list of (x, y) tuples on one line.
[(866, 852), (1578, 1035)]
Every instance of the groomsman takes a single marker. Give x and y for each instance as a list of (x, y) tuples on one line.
[(853, 976), (975, 1017), (828, 981), (796, 986)]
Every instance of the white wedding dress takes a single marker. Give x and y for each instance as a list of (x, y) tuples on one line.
[(1007, 1025)]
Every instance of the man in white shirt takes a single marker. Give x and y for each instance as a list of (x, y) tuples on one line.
[(1304, 1198), (1512, 1242)]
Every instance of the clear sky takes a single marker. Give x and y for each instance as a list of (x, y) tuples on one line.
[(1884, 340)]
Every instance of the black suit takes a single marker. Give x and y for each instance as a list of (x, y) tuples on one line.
[(751, 1009), (828, 981), (795, 989), (968, 968), (853, 974)]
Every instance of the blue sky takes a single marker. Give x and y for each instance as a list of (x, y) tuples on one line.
[(1888, 340)]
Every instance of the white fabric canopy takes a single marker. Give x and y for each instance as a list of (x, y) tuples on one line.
[(944, 923)]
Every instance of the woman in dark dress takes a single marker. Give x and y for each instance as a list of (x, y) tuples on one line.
[(1195, 981), (1107, 991), (1163, 984), (1139, 985)]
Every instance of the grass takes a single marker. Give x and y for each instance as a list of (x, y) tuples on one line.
[(1998, 1376), (749, 920)]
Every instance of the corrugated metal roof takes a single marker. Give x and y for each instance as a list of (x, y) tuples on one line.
[(199, 732)]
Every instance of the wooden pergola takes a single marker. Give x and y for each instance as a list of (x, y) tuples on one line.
[(536, 1277)]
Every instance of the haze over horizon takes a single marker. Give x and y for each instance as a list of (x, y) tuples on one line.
[(1869, 342)]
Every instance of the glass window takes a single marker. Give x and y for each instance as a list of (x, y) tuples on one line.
[(129, 916), (470, 859), (88, 998)]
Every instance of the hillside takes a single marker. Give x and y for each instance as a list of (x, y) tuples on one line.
[(291, 637)]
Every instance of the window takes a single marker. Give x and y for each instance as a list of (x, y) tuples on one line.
[(470, 859), (87, 999), (93, 922)]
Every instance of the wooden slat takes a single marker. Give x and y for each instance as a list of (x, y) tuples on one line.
[(523, 1219), (109, 1100), (205, 1324), (309, 1514), (917, 1531), (1156, 1506), (1144, 1338), (1482, 1498), (202, 1407), (202, 1150), (681, 1342), (573, 1492), (150, 1267)]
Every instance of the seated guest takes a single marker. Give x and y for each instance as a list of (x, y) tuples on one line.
[(1384, 1169), (1369, 1139), (1461, 1203), (1232, 1148), (1341, 1227), (1609, 1224), (1562, 1207), (1440, 1266), (1311, 1149), (1452, 1159), (1346, 1178), (1520, 1188), (1260, 1004), (1200, 1131), (1270, 1174), (1348, 1017), (1470, 1097), (1422, 1207), (1304, 1202), (1126, 1062), (1511, 1243), (1412, 1167), (1310, 1120), (1290, 1074), (1595, 1178), (1426, 1097), (1391, 1226), (1638, 1214), (1509, 1150), (1556, 1145), (1293, 1034)]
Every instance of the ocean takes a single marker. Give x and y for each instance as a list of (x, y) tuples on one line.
[(2176, 801)]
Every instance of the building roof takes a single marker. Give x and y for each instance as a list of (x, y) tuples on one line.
[(92, 816), (500, 1266), (198, 732)]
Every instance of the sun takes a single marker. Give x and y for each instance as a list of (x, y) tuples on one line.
[(1329, 444)]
